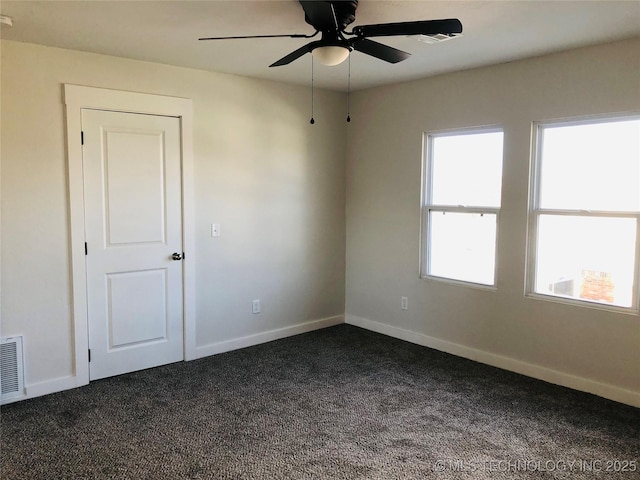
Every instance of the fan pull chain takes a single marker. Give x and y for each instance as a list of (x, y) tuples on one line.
[(312, 121), (349, 92)]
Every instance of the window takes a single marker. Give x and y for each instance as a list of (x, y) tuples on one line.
[(461, 191), (585, 211)]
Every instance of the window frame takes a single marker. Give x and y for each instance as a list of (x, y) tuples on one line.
[(427, 206), (535, 212)]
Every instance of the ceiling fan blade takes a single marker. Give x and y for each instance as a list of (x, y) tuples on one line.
[(378, 50), (425, 27), (296, 54), (295, 35)]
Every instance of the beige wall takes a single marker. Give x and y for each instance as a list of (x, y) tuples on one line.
[(583, 347), (274, 183)]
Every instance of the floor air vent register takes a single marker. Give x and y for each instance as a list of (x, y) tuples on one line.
[(11, 371)]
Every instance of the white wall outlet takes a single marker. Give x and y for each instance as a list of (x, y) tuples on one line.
[(215, 229), (404, 303), (255, 306)]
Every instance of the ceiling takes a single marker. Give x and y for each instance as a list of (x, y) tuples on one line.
[(168, 31)]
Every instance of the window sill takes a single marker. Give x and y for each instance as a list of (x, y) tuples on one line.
[(460, 283), (582, 303)]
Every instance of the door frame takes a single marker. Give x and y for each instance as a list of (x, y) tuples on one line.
[(76, 98)]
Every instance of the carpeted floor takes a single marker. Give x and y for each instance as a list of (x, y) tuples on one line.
[(339, 403)]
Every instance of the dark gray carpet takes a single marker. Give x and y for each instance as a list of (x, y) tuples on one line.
[(340, 403)]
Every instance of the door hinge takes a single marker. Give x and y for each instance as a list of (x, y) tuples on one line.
[(81, 137), (89, 355), (86, 249)]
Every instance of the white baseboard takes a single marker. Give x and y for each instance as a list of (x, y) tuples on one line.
[(542, 373), (268, 336), (506, 363), (39, 389)]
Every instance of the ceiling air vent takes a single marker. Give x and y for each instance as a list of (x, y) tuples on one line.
[(437, 38), (11, 371)]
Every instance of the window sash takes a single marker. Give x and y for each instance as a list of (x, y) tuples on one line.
[(533, 270), (543, 129), (428, 164), (425, 264)]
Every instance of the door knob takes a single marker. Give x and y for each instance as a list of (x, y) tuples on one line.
[(176, 256)]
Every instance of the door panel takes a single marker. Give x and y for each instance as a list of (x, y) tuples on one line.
[(135, 166), (132, 184), (136, 303)]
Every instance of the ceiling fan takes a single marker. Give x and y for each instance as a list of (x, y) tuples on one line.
[(331, 18)]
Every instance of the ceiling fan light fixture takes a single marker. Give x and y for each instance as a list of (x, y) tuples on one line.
[(6, 20), (330, 55)]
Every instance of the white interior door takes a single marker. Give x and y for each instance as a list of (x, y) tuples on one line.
[(133, 221)]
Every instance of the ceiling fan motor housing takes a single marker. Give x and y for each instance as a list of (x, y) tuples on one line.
[(345, 14)]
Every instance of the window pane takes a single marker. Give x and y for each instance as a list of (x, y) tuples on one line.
[(586, 258), (463, 246), (467, 169), (591, 167)]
